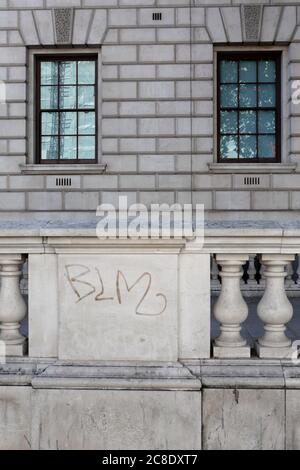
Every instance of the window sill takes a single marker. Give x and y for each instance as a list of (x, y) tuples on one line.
[(252, 167), (63, 169)]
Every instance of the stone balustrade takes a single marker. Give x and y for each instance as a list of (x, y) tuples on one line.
[(146, 299)]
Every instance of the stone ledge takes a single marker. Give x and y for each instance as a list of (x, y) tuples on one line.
[(186, 375), (249, 168), (63, 169)]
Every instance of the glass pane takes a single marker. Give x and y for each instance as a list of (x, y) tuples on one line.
[(68, 123), (86, 72), (247, 71), (247, 122), (67, 97), (67, 73), (266, 146), (229, 96), (49, 123), (266, 96), (247, 96), (49, 96), (267, 71), (49, 73), (229, 71), (86, 147), (86, 124), (86, 97), (247, 146), (266, 122), (49, 150), (68, 147), (228, 146)]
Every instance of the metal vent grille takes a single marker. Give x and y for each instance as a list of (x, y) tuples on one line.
[(251, 180), (63, 182), (156, 16)]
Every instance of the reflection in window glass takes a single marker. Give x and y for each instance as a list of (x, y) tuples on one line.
[(66, 109), (248, 118)]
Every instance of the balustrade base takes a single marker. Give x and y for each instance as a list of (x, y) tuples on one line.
[(221, 352), (17, 349), (274, 353)]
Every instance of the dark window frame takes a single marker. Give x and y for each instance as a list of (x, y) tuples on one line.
[(38, 112), (254, 55)]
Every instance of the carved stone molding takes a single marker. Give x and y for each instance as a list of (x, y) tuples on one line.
[(63, 22), (251, 19)]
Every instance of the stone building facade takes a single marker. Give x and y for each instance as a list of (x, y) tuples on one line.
[(156, 104), (162, 101)]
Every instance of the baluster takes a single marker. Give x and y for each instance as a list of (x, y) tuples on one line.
[(230, 309), (12, 305), (274, 309)]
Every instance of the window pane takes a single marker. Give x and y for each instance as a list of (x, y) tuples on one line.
[(86, 147), (266, 96), (49, 148), (228, 122), (266, 122), (86, 97), (67, 73), (68, 147), (228, 146), (49, 123), (229, 71), (248, 71), (247, 122), (266, 146), (267, 71), (86, 72), (68, 123), (49, 96), (248, 146), (247, 96), (49, 73), (229, 96), (86, 123), (67, 97)]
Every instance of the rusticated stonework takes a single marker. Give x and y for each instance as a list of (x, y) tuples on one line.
[(63, 25), (252, 21)]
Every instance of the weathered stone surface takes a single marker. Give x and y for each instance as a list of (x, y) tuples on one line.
[(15, 418), (243, 419), (118, 307), (105, 419)]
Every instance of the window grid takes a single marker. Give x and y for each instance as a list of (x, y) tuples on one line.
[(59, 59), (257, 57)]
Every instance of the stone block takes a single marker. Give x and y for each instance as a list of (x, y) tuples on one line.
[(241, 419), (131, 303), (156, 90), (42, 305), (194, 306), (43, 201), (82, 201), (119, 90), (118, 54), (122, 17), (270, 200), (232, 200), (102, 419), (12, 201), (157, 53), (15, 418)]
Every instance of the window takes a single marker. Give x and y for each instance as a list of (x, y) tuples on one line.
[(249, 107), (66, 120)]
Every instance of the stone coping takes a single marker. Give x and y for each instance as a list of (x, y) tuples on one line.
[(185, 375)]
